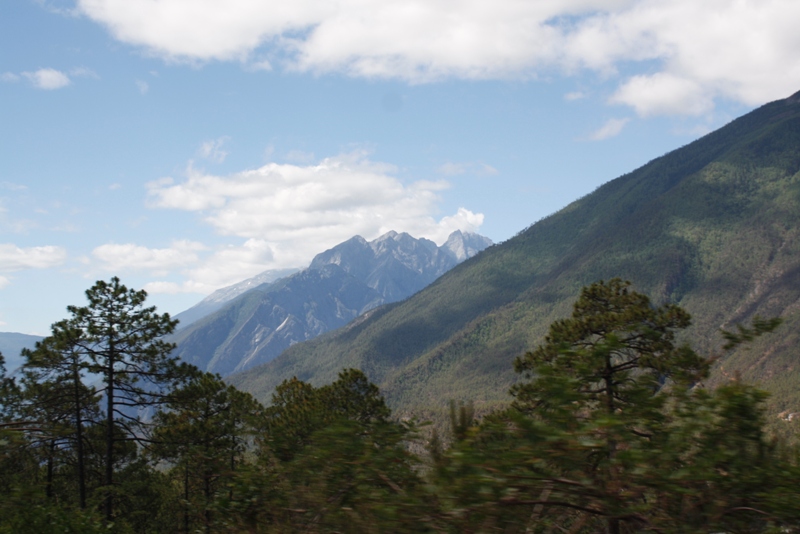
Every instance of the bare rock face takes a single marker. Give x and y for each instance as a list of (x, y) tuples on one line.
[(254, 321)]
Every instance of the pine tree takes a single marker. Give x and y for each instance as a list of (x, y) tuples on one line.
[(55, 393), (123, 342), (204, 429), (598, 376)]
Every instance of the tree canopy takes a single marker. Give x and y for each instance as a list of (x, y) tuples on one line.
[(611, 430)]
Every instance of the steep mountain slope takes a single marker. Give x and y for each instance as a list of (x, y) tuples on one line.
[(713, 226), (339, 285), (218, 298)]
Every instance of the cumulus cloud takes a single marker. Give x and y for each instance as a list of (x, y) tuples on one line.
[(288, 213), (225, 266), (47, 79), (611, 128), (212, 150), (664, 94), (14, 258), (159, 261), (733, 49)]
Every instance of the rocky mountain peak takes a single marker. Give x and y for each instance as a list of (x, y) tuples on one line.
[(464, 245), (340, 284)]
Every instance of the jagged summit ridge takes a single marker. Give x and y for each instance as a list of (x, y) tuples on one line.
[(464, 245), (340, 284)]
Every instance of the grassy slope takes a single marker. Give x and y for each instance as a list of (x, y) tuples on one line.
[(712, 226)]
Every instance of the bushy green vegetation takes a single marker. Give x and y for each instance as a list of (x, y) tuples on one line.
[(611, 429)]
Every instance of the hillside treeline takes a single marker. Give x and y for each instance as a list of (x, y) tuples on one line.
[(611, 430)]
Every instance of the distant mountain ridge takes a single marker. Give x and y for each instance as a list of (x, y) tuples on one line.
[(713, 226), (218, 298), (340, 284), (11, 345)]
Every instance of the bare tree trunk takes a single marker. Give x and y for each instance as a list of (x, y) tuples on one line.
[(79, 438), (49, 482), (109, 478), (186, 498)]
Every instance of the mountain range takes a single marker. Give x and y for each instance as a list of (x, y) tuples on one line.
[(712, 226), (253, 322), (11, 345), (220, 297)]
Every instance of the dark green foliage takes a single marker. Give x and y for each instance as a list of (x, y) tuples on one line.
[(608, 434), (62, 450), (55, 395), (615, 352), (746, 335), (332, 461), (611, 430), (298, 409), (8, 391), (121, 340), (203, 432), (462, 418), (22, 514)]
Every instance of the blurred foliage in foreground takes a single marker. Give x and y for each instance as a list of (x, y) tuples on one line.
[(611, 430)]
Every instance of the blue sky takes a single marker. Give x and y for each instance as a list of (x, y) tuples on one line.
[(185, 145)]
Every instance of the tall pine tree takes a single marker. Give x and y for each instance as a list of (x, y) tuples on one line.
[(123, 341)]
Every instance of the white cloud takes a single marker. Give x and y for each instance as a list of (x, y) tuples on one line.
[(611, 128), (159, 261), (664, 94), (463, 220), (143, 86), (9, 77), (47, 79), (13, 187), (740, 50), (575, 95), (14, 258), (229, 265), (288, 213), (477, 168), (212, 150), (225, 266), (735, 49)]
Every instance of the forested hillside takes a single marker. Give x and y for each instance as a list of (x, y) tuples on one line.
[(611, 430), (712, 226)]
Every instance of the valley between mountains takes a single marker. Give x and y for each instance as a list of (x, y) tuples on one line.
[(713, 227)]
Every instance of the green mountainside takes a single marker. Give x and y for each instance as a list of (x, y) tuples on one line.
[(712, 227)]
